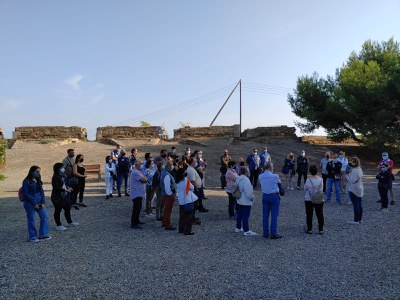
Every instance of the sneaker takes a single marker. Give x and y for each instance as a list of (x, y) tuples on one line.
[(45, 238), (298, 188), (75, 206), (73, 224), (82, 204), (379, 201), (238, 229), (107, 197), (349, 203), (309, 231), (61, 228), (34, 241), (383, 210), (203, 210), (352, 222), (392, 202), (292, 189), (119, 195), (249, 233), (111, 195), (126, 194), (321, 232)]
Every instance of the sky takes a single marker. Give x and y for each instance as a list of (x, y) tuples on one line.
[(95, 63)]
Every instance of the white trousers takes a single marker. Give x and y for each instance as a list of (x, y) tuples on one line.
[(109, 185)]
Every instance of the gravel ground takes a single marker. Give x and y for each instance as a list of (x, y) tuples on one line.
[(104, 258)]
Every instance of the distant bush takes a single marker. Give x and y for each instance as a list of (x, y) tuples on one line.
[(2, 154), (2, 177)]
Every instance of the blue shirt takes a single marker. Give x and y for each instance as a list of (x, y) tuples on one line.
[(269, 182), (138, 188)]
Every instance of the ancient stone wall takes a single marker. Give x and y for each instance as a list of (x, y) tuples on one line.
[(204, 132), (129, 132), (273, 132), (49, 132)]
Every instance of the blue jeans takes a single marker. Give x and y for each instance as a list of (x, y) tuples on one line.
[(329, 183), (122, 176), (358, 209), (243, 215), (44, 221), (271, 203)]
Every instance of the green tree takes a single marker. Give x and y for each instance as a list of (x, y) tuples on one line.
[(362, 100), (144, 124)]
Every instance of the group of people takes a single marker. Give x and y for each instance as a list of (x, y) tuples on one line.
[(158, 183)]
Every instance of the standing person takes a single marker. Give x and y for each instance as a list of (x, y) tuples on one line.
[(172, 153), (385, 180), (162, 157), (239, 165), (68, 162), (133, 158), (390, 163), (138, 188), (271, 199), (288, 169), (264, 156), (253, 160), (186, 155), (356, 189), (333, 168), (157, 189), (324, 172), (34, 201), (202, 163), (225, 158), (244, 203), (168, 190), (302, 168), (149, 173), (343, 171), (186, 199), (231, 177), (79, 172), (60, 197), (123, 173), (195, 179), (114, 156), (313, 185), (109, 174)]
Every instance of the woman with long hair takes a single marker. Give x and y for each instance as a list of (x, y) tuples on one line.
[(34, 201), (79, 172), (61, 197)]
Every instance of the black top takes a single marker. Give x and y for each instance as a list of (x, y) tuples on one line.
[(333, 169)]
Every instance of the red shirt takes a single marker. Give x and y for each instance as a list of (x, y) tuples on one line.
[(388, 162)]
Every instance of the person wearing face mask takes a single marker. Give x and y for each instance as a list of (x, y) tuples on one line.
[(162, 157), (34, 202), (203, 165), (231, 177), (60, 197), (389, 162), (79, 172), (225, 159), (68, 162), (264, 156), (195, 179), (333, 168), (168, 190), (138, 190), (288, 170), (343, 172), (123, 173), (187, 153), (239, 165), (324, 172), (384, 181), (253, 160), (356, 189), (157, 189), (109, 173), (302, 168)]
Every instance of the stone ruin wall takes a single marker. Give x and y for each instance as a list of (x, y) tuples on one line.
[(50, 132), (204, 132), (278, 132), (128, 132)]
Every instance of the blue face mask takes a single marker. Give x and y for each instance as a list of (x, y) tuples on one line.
[(385, 157), (62, 170), (383, 169), (340, 155), (163, 167), (36, 175)]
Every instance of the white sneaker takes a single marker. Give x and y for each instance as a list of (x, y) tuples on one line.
[(73, 224), (352, 222), (385, 210), (238, 230), (61, 228), (34, 241), (249, 233), (349, 203), (45, 238), (292, 189)]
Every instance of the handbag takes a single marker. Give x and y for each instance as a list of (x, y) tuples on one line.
[(282, 191), (317, 196)]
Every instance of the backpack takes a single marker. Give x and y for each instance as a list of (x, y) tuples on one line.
[(235, 190), (21, 195), (317, 196)]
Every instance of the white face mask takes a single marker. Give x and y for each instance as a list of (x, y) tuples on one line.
[(303, 154), (200, 155)]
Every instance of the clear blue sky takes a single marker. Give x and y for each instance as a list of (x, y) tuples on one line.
[(95, 63)]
